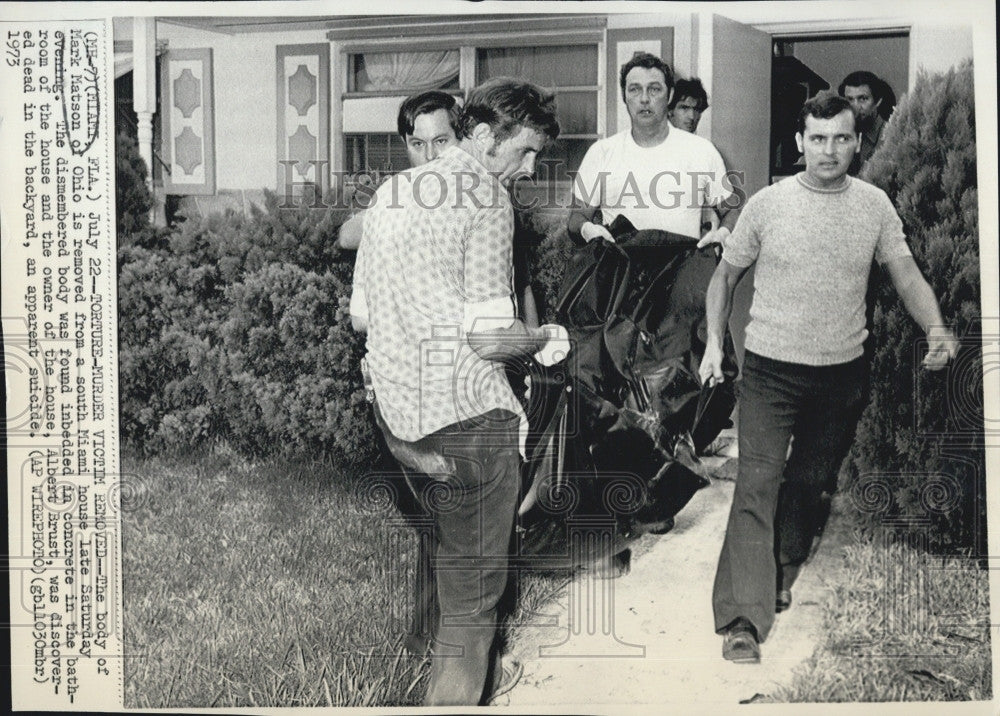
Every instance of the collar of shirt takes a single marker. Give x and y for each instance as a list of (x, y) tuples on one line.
[(458, 155)]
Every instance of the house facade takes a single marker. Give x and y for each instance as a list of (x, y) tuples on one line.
[(226, 107)]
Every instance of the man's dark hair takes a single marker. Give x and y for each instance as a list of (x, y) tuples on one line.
[(690, 88), (650, 62), (507, 104), (825, 105), (425, 103), (863, 77)]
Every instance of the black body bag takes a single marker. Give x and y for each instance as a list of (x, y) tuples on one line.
[(615, 429)]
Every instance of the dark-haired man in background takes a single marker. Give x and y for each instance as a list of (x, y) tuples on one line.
[(427, 124), (864, 90), (432, 289), (689, 102), (812, 238)]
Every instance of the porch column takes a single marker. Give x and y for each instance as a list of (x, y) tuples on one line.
[(144, 86)]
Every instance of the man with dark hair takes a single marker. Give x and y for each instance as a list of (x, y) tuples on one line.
[(865, 91), (812, 237), (654, 177), (439, 314), (689, 102), (427, 124), (645, 61), (509, 112)]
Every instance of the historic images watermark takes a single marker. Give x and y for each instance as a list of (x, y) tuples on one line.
[(667, 189)]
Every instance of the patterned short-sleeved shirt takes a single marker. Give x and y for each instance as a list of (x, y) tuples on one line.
[(435, 259)]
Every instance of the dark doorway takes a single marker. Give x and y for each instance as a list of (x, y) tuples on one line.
[(803, 65)]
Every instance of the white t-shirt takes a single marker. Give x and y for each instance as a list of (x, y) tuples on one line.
[(662, 187)]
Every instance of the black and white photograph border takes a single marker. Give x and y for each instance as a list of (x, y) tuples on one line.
[(268, 538)]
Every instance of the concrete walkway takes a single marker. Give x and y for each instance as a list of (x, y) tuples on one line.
[(648, 637)]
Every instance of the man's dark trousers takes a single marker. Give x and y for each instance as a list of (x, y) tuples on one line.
[(473, 513), (777, 504)]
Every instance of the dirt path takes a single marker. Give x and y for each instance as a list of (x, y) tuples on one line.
[(648, 637)]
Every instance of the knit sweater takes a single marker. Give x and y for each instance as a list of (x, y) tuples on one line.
[(813, 250)]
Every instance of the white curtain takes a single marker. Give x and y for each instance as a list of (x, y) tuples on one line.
[(388, 71)]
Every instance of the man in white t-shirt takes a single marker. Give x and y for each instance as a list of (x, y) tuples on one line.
[(654, 175)]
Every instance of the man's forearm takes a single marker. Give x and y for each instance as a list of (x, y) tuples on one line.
[(529, 308), (718, 306), (915, 293), (921, 303), (502, 344), (349, 235)]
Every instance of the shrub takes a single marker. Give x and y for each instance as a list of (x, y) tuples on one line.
[(293, 360), (166, 340), (232, 329), (548, 261), (132, 196), (918, 422)]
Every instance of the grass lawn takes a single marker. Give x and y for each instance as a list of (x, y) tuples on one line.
[(902, 625), (270, 584), (282, 584)]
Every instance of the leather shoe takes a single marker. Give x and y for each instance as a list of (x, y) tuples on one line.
[(740, 644), (783, 600)]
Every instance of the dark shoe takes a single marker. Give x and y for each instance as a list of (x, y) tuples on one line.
[(610, 566), (783, 600), (740, 644)]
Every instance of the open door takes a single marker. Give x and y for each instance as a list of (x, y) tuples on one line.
[(741, 124), (741, 99)]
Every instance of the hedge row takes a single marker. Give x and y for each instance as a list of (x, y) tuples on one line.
[(919, 455), (233, 327)]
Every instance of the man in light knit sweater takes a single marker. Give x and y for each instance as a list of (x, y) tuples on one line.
[(813, 237)]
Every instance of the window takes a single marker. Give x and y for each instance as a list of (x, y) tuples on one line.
[(402, 72), (377, 82), (374, 152)]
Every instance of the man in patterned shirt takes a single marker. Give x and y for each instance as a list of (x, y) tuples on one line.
[(433, 290)]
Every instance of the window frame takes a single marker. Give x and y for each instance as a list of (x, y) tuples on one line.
[(467, 46), (349, 63)]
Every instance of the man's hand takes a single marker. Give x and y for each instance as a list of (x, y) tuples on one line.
[(710, 369), (590, 231), (557, 346), (714, 236), (942, 347)]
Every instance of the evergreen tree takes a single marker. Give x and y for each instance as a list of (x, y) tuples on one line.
[(921, 437)]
